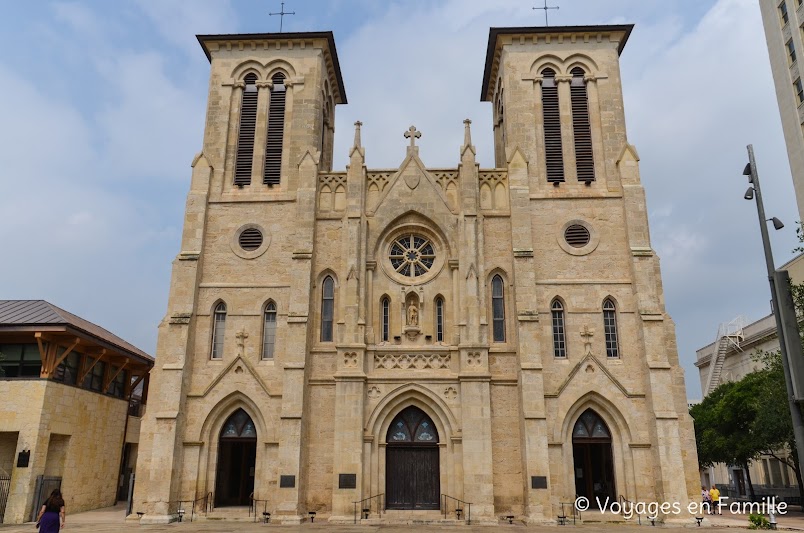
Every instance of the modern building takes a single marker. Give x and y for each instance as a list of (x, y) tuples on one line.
[(784, 32), (498, 336), (72, 398)]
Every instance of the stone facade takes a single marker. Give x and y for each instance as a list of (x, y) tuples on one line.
[(467, 339)]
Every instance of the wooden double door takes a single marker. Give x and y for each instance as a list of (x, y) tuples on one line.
[(412, 472)]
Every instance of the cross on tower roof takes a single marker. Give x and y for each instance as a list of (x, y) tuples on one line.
[(546, 8), (282, 14), (413, 134)]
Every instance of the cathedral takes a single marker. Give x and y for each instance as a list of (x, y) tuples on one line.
[(413, 340)]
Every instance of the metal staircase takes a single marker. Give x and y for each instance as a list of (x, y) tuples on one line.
[(728, 334)]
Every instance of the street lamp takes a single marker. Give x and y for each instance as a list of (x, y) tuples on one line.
[(783, 308)]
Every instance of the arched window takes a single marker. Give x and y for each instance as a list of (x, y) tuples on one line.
[(218, 330), (559, 331), (610, 328), (269, 331), (412, 425), (245, 135), (498, 309), (327, 308), (553, 148), (439, 319), (584, 159), (385, 318), (276, 131), (239, 426)]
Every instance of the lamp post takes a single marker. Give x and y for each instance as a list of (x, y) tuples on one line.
[(782, 326)]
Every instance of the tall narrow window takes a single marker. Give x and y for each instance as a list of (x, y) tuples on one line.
[(245, 135), (498, 309), (791, 52), (276, 131), (559, 331), (610, 328), (386, 319), (799, 90), (327, 308), (783, 13), (269, 331), (584, 160), (553, 149), (218, 330), (439, 319)]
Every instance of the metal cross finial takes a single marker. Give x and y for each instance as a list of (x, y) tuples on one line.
[(546, 8), (282, 14), (587, 338), (412, 134)]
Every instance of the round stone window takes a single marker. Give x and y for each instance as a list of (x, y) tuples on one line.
[(250, 239), (577, 236), (412, 255)]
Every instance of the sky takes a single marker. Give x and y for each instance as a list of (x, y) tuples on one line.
[(102, 108)]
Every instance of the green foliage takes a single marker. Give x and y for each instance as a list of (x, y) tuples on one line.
[(758, 521)]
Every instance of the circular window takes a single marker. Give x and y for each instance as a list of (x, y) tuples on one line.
[(250, 239), (577, 236), (412, 255)]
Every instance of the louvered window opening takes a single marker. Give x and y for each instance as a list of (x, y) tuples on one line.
[(584, 159), (553, 148), (218, 331), (245, 135), (559, 330), (276, 132), (577, 236), (250, 239), (269, 331), (610, 329)]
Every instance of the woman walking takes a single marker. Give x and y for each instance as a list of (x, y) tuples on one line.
[(51, 516)]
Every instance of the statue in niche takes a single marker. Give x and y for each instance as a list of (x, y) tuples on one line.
[(413, 314)]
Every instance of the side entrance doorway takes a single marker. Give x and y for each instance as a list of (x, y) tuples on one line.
[(237, 454), (593, 461), (412, 473)]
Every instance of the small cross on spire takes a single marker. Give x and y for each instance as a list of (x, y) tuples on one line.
[(413, 134), (546, 8), (282, 14)]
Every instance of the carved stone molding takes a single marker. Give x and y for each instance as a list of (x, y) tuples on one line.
[(450, 393), (374, 392), (350, 360), (412, 361), (474, 359)]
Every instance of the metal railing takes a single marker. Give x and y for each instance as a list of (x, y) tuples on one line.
[(377, 498), (446, 499), (575, 514), (255, 504), (623, 502), (5, 488), (197, 506)]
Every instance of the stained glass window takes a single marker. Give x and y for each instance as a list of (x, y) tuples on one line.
[(412, 425), (239, 426), (412, 255), (591, 427)]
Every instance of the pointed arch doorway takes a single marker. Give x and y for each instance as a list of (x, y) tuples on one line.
[(412, 471), (237, 454), (593, 460)]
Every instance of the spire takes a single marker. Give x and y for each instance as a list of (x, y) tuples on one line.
[(358, 145), (467, 137)]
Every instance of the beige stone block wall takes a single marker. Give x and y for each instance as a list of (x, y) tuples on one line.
[(8, 449), (320, 439), (505, 451)]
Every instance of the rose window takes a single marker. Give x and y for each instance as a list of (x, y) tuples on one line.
[(412, 255)]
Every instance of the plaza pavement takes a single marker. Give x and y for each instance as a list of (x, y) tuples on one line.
[(111, 520)]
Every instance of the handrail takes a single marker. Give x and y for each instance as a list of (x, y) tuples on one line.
[(468, 505), (576, 514), (623, 501), (253, 506), (378, 497)]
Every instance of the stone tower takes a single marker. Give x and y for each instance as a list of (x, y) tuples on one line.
[(495, 335)]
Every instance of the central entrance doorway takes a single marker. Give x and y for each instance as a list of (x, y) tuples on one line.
[(594, 466), (237, 454), (412, 473)]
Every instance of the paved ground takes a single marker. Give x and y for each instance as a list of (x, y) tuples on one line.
[(111, 520)]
